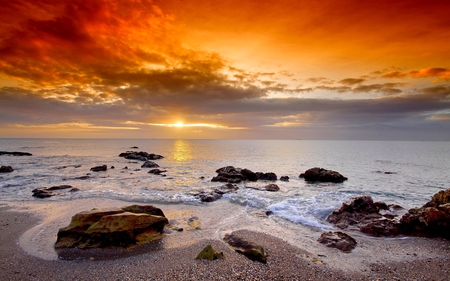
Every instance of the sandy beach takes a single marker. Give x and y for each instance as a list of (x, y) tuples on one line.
[(29, 232)]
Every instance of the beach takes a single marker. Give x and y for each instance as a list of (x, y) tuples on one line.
[(29, 232)]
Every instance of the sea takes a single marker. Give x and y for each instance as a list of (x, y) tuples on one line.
[(406, 173)]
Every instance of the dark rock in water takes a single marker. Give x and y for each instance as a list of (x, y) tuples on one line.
[(156, 171), (82, 178), (149, 164), (112, 167), (272, 187), (431, 220), (322, 175), (144, 209), (210, 196), (208, 253), (373, 218), (134, 147), (284, 178), (269, 212), (6, 169), (249, 175), (99, 168), (338, 240), (248, 249), (142, 156), (227, 188), (44, 192), (15, 153), (266, 176), (112, 227)]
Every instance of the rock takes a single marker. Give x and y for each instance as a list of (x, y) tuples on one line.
[(99, 168), (126, 227), (249, 175), (149, 164), (156, 171), (284, 178), (210, 196), (266, 176), (272, 187), (15, 153), (44, 192), (134, 147), (208, 253), (373, 218), (226, 188), (142, 156), (6, 169), (112, 167), (431, 220), (338, 240), (322, 175), (248, 249)]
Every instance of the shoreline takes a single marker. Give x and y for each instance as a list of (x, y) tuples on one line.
[(29, 231)]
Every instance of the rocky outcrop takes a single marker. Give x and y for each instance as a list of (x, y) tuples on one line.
[(338, 240), (216, 194), (99, 168), (373, 218), (149, 164), (44, 192), (231, 174), (15, 153), (247, 248), (322, 175), (126, 227), (208, 253), (6, 169), (142, 156), (431, 220)]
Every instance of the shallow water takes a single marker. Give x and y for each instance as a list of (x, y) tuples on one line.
[(418, 170)]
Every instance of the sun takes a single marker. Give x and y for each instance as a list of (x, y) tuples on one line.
[(178, 125)]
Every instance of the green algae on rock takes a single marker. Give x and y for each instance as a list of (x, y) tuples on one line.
[(208, 253)]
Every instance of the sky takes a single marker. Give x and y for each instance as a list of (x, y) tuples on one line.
[(193, 69)]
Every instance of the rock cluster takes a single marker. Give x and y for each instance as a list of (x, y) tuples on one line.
[(322, 175), (379, 219), (115, 227), (216, 194), (142, 156), (231, 174), (44, 192), (6, 169)]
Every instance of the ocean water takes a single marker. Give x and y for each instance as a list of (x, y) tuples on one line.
[(417, 170)]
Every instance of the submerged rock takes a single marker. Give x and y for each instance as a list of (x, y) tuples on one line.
[(156, 171), (248, 249), (216, 194), (149, 164), (322, 175), (44, 192), (208, 253), (338, 240), (6, 169), (15, 153), (126, 227), (142, 155), (99, 168)]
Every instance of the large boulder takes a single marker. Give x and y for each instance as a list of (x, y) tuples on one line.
[(322, 175), (231, 174), (6, 169), (431, 220), (338, 240), (373, 218), (126, 227), (247, 248)]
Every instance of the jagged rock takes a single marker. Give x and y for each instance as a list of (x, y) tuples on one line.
[(431, 220), (15, 153), (149, 164), (338, 240), (44, 192), (6, 169), (99, 168), (373, 218), (208, 253), (322, 175), (142, 156), (248, 249), (284, 178), (266, 176), (114, 227)]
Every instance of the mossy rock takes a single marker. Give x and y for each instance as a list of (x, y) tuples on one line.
[(208, 253)]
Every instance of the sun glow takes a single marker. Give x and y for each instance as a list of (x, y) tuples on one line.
[(178, 125)]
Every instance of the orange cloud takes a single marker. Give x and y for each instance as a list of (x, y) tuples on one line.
[(440, 72)]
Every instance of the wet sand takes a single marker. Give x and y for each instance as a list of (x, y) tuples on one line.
[(28, 231)]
